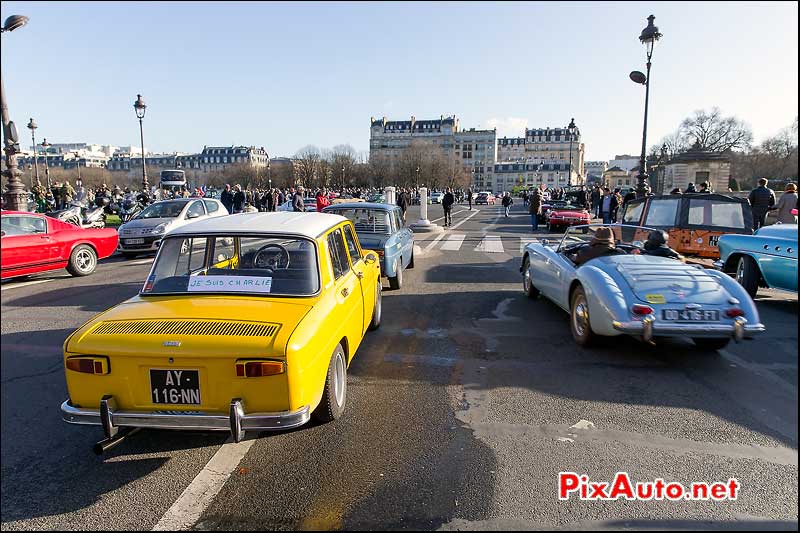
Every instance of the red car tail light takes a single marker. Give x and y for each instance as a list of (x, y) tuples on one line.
[(733, 312), (89, 364), (638, 309), (257, 369)]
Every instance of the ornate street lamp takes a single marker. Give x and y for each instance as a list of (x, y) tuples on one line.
[(571, 129), (648, 37), (32, 126), (140, 108), (46, 145), (15, 196)]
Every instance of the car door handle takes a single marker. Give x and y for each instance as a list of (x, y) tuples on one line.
[(345, 292), (45, 237), (360, 275)]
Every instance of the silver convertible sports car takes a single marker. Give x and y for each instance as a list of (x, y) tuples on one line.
[(629, 287)]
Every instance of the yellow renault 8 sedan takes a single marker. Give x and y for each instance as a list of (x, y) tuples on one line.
[(245, 323)]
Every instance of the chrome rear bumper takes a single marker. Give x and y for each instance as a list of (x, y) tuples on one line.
[(236, 421), (647, 329)]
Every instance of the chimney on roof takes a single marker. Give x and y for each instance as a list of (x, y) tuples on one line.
[(441, 117)]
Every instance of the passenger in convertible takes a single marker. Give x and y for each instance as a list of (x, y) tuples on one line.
[(657, 245)]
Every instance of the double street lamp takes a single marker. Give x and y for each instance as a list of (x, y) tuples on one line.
[(15, 196), (648, 37), (32, 126), (140, 108), (571, 129)]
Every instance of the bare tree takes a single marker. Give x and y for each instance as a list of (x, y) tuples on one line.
[(715, 133), (308, 165)]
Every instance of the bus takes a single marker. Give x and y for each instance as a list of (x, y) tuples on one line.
[(173, 180)]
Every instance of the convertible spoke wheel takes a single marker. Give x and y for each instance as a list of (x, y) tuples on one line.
[(83, 261), (375, 323), (334, 396), (748, 275), (579, 319), (527, 282)]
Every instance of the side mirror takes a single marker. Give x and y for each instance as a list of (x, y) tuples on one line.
[(192, 215)]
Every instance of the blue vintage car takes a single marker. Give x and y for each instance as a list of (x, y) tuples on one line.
[(628, 291), (380, 228), (766, 259)]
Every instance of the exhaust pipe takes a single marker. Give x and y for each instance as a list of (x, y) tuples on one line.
[(107, 444)]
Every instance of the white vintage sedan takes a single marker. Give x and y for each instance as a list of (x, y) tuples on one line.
[(143, 234)]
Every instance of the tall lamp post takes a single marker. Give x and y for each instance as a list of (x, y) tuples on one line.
[(15, 196), (571, 130), (46, 145), (648, 37), (342, 177), (140, 108), (32, 126)]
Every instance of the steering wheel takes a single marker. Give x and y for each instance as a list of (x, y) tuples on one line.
[(277, 259)]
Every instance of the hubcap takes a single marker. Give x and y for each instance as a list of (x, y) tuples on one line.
[(84, 260), (740, 272), (338, 379), (580, 316)]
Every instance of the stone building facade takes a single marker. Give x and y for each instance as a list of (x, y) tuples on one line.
[(696, 166)]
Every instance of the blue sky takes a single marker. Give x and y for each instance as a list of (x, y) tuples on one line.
[(284, 75)]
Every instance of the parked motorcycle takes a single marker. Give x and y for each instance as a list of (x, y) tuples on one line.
[(129, 207), (79, 215)]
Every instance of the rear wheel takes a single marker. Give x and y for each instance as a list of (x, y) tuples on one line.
[(579, 319), (527, 282), (82, 261), (712, 344), (334, 396), (397, 281), (375, 323), (748, 275)]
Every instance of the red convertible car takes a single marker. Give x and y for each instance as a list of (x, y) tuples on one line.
[(559, 217), (31, 243)]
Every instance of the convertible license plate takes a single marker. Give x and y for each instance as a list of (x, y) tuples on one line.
[(134, 241), (691, 315), (175, 386)]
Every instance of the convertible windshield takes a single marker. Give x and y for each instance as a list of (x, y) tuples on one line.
[(163, 210), (367, 220), (265, 265), (625, 235)]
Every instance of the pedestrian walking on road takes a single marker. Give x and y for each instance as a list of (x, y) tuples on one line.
[(226, 198), (762, 200), (597, 194), (402, 202), (238, 200), (535, 208), (447, 204), (785, 205), (469, 198), (507, 202), (608, 204)]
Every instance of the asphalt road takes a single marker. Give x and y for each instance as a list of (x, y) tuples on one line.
[(460, 415)]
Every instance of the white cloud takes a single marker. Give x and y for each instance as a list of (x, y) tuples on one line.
[(508, 126)]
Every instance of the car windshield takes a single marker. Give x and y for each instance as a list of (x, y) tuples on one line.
[(624, 235), (366, 220), (163, 210), (267, 265)]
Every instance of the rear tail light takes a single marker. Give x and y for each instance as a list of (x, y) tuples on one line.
[(88, 364), (257, 369), (642, 309), (733, 312)]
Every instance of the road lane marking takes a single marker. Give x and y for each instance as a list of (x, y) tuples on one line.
[(191, 505), (24, 284), (492, 244), (435, 241), (454, 242), (453, 213)]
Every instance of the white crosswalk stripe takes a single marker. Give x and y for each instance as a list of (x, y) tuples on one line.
[(453, 242), (490, 244)]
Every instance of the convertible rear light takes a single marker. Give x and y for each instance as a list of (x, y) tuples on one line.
[(638, 309), (89, 364), (733, 312), (257, 369)]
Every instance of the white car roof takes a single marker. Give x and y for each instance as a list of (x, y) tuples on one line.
[(306, 224)]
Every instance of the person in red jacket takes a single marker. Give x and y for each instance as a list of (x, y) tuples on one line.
[(322, 201)]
